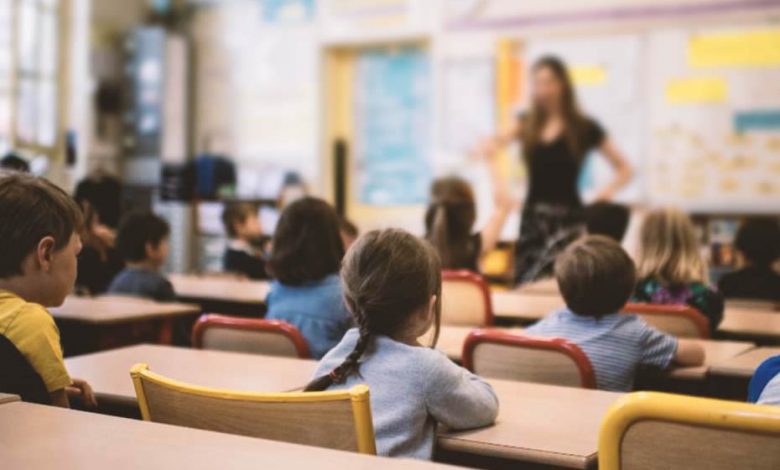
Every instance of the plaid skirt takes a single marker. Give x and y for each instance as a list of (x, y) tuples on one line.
[(545, 231)]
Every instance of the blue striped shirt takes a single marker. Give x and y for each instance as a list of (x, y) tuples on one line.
[(617, 345)]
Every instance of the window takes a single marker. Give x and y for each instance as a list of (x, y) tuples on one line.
[(38, 74)]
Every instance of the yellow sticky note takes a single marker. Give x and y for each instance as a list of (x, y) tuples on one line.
[(696, 90), (588, 75), (760, 48)]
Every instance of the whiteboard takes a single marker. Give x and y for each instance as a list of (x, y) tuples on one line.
[(706, 152)]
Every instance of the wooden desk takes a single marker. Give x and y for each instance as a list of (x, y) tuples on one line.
[(451, 341), (8, 398), (111, 310), (89, 324), (222, 294), (543, 287), (762, 326), (743, 365), (109, 372), (39, 437), (524, 307), (540, 424)]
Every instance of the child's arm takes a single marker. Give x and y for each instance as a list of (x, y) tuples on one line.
[(60, 398), (457, 398), (689, 353)]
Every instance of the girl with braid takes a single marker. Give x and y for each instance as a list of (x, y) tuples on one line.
[(392, 284)]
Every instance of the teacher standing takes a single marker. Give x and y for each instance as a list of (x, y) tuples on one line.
[(556, 138)]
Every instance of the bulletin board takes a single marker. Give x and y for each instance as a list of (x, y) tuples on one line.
[(393, 126), (714, 107)]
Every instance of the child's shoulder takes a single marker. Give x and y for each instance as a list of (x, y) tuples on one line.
[(18, 311)]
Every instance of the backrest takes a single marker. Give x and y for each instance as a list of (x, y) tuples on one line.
[(251, 335), (499, 355), (465, 299), (647, 430), (18, 377), (678, 320), (336, 420)]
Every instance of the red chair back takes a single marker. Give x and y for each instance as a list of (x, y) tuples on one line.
[(465, 299), (252, 335), (678, 320)]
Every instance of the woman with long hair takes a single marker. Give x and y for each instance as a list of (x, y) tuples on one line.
[(556, 138)]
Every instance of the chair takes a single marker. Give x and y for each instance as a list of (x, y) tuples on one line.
[(465, 299), (251, 335), (500, 355), (678, 320), (334, 419), (648, 430), (18, 377)]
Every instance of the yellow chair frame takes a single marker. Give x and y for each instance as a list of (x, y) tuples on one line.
[(712, 413), (358, 395)]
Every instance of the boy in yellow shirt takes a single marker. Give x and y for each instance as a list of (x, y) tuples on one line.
[(39, 242)]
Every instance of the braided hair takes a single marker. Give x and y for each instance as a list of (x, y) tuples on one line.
[(387, 276)]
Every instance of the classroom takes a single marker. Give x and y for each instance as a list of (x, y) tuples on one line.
[(390, 234)]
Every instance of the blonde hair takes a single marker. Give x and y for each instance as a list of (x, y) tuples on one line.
[(669, 251)]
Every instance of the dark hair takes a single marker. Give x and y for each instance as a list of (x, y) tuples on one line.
[(608, 219), (575, 121), (138, 229), (759, 240), (32, 208), (307, 244), (449, 220), (236, 212), (595, 275), (12, 161), (387, 276), (348, 228)]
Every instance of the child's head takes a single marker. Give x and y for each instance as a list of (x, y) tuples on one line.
[(349, 232), (669, 251), (595, 275), (241, 221), (392, 285), (449, 220), (608, 219), (143, 238), (307, 244), (39, 226), (758, 239)]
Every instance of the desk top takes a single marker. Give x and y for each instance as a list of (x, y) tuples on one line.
[(109, 371), (530, 307), (115, 309), (751, 323), (539, 423), (744, 364), (8, 398), (451, 341), (223, 289), (74, 439)]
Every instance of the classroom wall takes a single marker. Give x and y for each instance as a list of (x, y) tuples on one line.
[(452, 31)]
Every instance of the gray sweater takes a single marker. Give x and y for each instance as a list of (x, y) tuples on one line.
[(412, 389)]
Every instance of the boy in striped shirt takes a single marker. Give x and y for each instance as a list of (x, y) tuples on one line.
[(596, 277)]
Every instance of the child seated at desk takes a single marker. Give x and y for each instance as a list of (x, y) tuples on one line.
[(392, 285), (758, 243), (671, 268), (244, 253), (305, 259), (764, 387), (143, 241), (596, 278), (39, 226)]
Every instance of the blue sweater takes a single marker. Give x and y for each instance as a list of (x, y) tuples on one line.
[(316, 308), (411, 390)]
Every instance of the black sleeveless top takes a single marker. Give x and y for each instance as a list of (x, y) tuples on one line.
[(553, 170)]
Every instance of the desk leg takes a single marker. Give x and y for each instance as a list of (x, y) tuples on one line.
[(166, 332)]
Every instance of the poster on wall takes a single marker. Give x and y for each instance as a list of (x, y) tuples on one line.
[(392, 118), (606, 71), (288, 11), (715, 119)]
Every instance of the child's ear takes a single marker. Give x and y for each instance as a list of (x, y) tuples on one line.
[(150, 250), (44, 252)]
